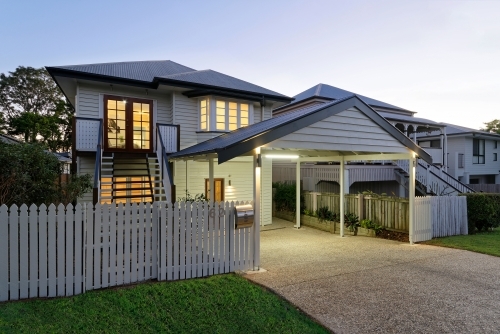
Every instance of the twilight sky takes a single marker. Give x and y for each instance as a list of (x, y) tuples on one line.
[(439, 58)]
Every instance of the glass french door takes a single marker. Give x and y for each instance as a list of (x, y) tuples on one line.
[(127, 124)]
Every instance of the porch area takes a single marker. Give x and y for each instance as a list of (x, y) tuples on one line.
[(362, 284)]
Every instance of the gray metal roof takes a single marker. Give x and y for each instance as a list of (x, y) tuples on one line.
[(217, 79), (133, 70), (452, 129), (165, 71), (242, 136), (410, 119), (331, 92)]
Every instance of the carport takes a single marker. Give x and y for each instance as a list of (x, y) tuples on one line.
[(341, 131)]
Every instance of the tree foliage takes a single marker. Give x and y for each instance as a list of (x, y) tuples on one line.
[(493, 126), (29, 174), (33, 108)]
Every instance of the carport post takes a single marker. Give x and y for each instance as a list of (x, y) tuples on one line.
[(342, 195), (257, 162), (297, 195), (211, 184), (411, 196)]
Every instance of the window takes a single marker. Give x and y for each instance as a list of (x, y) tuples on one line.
[(494, 157), (478, 151), (461, 162), (496, 144), (203, 115), (226, 115)]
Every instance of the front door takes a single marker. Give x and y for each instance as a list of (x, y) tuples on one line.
[(127, 124), (218, 189)]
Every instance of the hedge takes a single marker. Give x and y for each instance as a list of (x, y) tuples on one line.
[(483, 211)]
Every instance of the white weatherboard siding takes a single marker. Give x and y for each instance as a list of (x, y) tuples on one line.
[(266, 197), (186, 115), (89, 103), (240, 172), (349, 130), (456, 146), (86, 165)]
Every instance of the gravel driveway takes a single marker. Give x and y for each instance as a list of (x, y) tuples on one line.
[(360, 284)]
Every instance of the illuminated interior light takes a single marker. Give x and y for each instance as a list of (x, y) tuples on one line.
[(280, 156)]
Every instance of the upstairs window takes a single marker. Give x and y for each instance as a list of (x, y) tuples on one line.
[(478, 151), (222, 115)]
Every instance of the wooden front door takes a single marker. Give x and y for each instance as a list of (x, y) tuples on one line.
[(218, 189), (127, 124)]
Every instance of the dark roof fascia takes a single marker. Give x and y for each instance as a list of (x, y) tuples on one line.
[(195, 86), (54, 71), (293, 125), (391, 109), (205, 92)]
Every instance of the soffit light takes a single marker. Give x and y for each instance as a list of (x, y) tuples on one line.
[(281, 156)]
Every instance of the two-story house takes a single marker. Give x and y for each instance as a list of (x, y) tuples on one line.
[(124, 128), (472, 155)]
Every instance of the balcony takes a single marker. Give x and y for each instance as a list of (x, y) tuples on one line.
[(436, 154)]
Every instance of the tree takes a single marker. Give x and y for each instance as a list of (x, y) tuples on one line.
[(29, 174), (33, 107), (493, 126)]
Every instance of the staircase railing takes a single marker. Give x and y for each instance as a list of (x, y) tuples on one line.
[(167, 142), (435, 179), (98, 162)]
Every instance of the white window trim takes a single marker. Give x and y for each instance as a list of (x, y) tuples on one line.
[(212, 113)]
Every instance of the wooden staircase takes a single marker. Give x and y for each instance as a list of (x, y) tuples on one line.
[(130, 178)]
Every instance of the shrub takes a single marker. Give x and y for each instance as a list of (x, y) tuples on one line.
[(324, 213), (483, 211), (285, 197), (29, 174), (351, 221), (368, 224)]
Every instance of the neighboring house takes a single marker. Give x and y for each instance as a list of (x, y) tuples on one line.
[(388, 177), (473, 155)]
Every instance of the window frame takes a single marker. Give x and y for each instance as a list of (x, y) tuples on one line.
[(129, 128), (478, 157), (211, 102)]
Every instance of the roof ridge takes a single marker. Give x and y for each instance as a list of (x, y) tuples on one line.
[(183, 73), (318, 89)]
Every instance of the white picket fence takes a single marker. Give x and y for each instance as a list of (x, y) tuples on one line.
[(439, 216), (64, 251)]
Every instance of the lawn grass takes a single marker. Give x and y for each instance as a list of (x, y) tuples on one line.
[(218, 304), (484, 242)]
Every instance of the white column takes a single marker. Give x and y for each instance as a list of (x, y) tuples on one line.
[(256, 208), (297, 194), (415, 134), (342, 196), (411, 195), (211, 179), (445, 152)]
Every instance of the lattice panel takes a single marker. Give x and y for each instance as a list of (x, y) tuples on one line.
[(87, 133)]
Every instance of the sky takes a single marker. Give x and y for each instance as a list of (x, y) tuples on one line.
[(439, 58)]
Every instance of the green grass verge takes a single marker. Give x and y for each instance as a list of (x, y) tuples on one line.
[(484, 242), (219, 304)]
